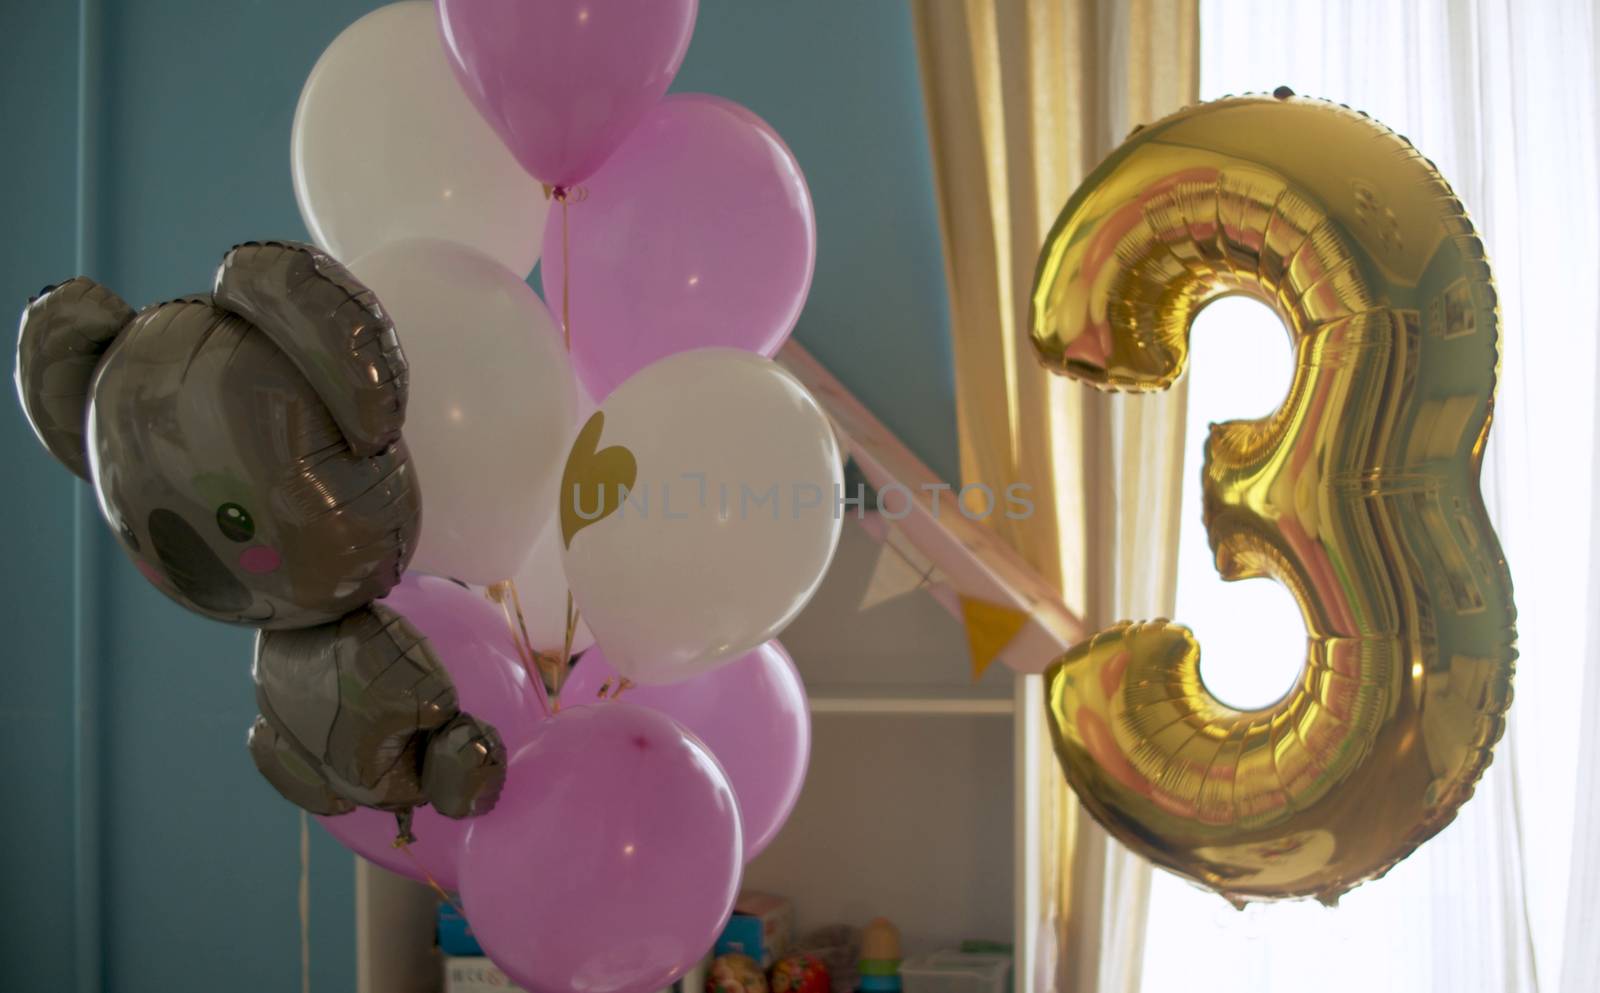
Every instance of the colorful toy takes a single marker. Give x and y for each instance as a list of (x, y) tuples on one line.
[(762, 927), (799, 973), (838, 946), (880, 957), (736, 973)]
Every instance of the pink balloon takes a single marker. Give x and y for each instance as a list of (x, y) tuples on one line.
[(751, 714), (564, 81), (473, 640), (612, 859), (470, 635), (697, 232)]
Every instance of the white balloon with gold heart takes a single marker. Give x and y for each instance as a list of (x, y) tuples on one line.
[(699, 509)]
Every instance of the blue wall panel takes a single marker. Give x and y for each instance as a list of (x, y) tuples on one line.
[(38, 130), (141, 851)]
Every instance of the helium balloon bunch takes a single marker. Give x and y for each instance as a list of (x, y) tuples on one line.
[(624, 470), (524, 649)]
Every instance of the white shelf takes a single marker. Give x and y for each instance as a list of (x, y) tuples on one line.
[(919, 700)]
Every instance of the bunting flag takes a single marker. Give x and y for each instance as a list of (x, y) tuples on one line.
[(900, 569), (990, 628), (926, 544)]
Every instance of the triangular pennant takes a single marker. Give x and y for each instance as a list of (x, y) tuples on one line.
[(990, 628), (900, 569), (892, 578)]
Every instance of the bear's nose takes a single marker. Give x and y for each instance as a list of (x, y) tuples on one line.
[(193, 567)]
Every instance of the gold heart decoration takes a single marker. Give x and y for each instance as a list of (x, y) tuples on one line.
[(611, 470)]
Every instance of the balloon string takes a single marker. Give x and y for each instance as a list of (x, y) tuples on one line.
[(555, 670), (566, 269), (566, 330), (564, 195), (304, 902), (566, 649), (504, 593), (402, 840)]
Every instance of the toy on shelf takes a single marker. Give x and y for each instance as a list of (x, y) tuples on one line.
[(762, 927), (736, 972), (799, 972), (838, 946), (880, 958)]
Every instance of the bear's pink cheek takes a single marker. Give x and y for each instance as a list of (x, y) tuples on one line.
[(150, 572), (259, 559)]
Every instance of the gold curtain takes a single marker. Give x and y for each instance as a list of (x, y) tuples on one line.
[(1023, 98)]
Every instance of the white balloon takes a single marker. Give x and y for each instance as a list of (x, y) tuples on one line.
[(387, 146), (728, 526), (541, 583), (492, 403)]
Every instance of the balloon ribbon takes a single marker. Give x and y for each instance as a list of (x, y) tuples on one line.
[(402, 840), (545, 670), (565, 195), (554, 669)]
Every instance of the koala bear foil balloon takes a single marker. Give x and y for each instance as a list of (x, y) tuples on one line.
[(245, 447)]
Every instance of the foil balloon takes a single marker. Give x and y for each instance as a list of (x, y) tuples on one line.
[(479, 650), (245, 448), (1360, 494)]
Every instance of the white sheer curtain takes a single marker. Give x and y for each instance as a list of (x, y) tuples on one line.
[(1501, 94)]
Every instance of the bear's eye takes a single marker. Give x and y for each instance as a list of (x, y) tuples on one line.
[(235, 522)]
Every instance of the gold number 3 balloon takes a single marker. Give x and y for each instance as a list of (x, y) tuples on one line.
[(1360, 494)]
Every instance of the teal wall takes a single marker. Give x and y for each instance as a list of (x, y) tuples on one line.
[(142, 138)]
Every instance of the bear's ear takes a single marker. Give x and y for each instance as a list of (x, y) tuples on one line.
[(65, 331), (330, 326)]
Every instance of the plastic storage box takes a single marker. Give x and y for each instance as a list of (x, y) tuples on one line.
[(955, 972)]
